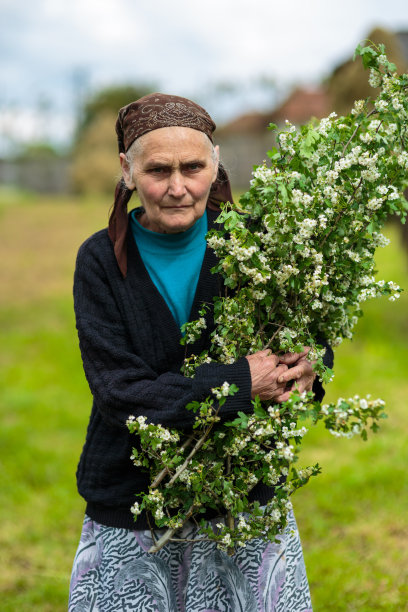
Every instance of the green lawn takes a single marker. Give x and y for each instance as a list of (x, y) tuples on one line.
[(353, 518)]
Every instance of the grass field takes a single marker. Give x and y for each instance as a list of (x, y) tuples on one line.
[(353, 518)]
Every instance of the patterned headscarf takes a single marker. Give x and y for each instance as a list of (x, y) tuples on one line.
[(149, 113)]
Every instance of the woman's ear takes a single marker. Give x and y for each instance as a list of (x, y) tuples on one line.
[(126, 172)]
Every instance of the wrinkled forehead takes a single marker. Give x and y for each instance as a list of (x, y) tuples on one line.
[(182, 142)]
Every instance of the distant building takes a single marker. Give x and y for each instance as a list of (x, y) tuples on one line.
[(245, 141)]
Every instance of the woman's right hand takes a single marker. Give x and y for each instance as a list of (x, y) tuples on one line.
[(265, 370)]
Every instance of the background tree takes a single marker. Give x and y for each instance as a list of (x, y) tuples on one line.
[(348, 82), (94, 158)]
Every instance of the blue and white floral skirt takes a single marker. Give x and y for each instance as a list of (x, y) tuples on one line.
[(113, 572)]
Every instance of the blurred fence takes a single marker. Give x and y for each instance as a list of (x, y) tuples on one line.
[(50, 176)]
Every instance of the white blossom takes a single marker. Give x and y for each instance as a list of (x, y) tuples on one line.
[(358, 107), (381, 105), (396, 104), (136, 509), (375, 78)]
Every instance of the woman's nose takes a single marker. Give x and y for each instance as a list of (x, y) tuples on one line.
[(177, 186)]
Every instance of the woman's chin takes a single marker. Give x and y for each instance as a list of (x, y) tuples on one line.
[(176, 221)]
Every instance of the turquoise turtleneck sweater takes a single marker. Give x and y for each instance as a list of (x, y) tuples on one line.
[(173, 262)]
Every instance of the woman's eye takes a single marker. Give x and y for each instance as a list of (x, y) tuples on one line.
[(158, 171)]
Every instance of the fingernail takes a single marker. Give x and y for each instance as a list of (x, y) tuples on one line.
[(281, 379)]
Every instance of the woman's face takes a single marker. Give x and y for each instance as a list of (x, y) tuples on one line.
[(172, 169)]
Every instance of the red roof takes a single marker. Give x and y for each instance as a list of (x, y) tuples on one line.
[(302, 104), (299, 107)]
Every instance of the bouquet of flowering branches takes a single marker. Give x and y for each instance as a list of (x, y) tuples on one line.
[(297, 259)]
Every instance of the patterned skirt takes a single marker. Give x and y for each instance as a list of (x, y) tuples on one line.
[(113, 572)]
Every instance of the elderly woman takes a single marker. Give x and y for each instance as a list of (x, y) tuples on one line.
[(136, 283)]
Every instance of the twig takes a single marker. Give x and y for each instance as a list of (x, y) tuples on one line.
[(169, 534), (192, 453), (267, 345), (358, 186), (230, 518), (356, 130), (341, 213), (166, 470), (151, 528)]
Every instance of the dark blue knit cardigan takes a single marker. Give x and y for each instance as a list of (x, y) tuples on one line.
[(131, 352)]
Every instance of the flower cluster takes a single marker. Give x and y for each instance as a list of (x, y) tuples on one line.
[(316, 217), (297, 260), (349, 418), (219, 464)]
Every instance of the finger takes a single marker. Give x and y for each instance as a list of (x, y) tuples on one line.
[(301, 385), (270, 394), (260, 356), (288, 392), (290, 358), (274, 360), (292, 374), (280, 371), (305, 384), (306, 360), (283, 397), (263, 353)]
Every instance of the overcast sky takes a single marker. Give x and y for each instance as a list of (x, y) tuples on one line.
[(47, 46)]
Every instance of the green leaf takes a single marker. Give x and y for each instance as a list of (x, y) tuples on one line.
[(230, 218), (327, 375), (283, 192), (259, 411), (230, 282), (241, 421), (273, 154), (368, 55), (357, 51), (194, 406), (307, 146)]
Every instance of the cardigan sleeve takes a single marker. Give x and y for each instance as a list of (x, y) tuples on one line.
[(328, 359), (121, 381)]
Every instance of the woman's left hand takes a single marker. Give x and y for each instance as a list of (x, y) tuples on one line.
[(301, 373)]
